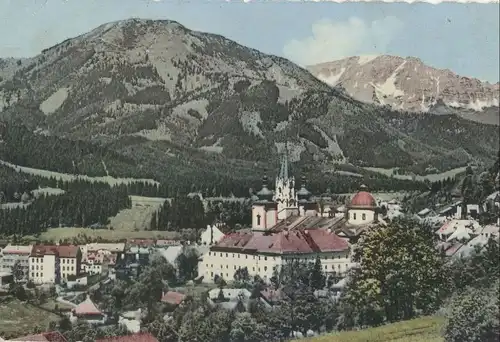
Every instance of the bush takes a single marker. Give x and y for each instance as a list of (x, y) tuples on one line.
[(473, 316)]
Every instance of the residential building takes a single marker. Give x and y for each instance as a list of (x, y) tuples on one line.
[(211, 235), (173, 298), (89, 312), (53, 263), (13, 254)]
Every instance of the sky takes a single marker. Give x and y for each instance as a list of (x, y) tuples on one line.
[(461, 37)]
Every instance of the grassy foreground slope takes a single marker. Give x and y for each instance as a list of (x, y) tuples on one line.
[(424, 329)]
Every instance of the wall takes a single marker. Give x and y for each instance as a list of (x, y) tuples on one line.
[(42, 269), (355, 216), (225, 264)]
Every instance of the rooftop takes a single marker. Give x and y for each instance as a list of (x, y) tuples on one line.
[(14, 249), (172, 297), (87, 307), (285, 241), (63, 251)]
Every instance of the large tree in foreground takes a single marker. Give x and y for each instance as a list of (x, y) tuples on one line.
[(400, 275)]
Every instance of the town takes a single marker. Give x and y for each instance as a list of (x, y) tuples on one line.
[(87, 284), (249, 171)]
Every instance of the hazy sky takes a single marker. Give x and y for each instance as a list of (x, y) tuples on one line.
[(463, 38)]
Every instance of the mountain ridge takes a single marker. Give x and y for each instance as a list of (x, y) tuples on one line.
[(408, 84), (150, 90)]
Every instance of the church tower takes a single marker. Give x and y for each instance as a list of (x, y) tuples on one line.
[(264, 209), (284, 192)]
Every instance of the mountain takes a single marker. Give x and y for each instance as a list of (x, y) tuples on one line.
[(408, 84), (164, 96)]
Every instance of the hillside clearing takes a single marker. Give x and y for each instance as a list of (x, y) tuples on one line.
[(424, 329), (431, 177), (69, 177)]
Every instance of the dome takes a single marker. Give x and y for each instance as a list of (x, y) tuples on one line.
[(303, 194), (265, 194), (363, 199)]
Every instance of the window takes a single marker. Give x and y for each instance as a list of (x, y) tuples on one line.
[(234, 266), (258, 219), (238, 256), (32, 275), (326, 267), (209, 253), (221, 255), (37, 267), (226, 255), (265, 268), (363, 217), (354, 216), (246, 256), (253, 269), (265, 258), (211, 274)]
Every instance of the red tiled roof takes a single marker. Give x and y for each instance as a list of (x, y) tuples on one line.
[(63, 251), (52, 336), (307, 241), (87, 307), (138, 337), (172, 297)]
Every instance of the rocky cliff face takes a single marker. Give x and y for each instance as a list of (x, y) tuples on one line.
[(154, 90), (410, 85)]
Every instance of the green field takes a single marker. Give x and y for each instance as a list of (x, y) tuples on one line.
[(18, 318), (424, 329)]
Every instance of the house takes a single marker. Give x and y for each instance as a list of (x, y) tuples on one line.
[(450, 226), (6, 278), (132, 320), (173, 298), (49, 264), (89, 312), (171, 253), (211, 235), (53, 336), (138, 337), (13, 254)]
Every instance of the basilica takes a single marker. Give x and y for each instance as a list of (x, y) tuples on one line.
[(289, 225)]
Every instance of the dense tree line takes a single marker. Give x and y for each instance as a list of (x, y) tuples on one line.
[(83, 204)]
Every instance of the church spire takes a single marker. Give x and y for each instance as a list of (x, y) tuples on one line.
[(284, 163)]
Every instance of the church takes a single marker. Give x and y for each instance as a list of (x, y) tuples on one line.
[(287, 225)]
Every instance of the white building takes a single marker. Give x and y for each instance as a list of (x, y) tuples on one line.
[(51, 264), (211, 235), (13, 254)]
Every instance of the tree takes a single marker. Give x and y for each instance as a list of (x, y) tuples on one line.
[(400, 275), (246, 329), (318, 278), (163, 331), (187, 263), (17, 271), (474, 316)]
